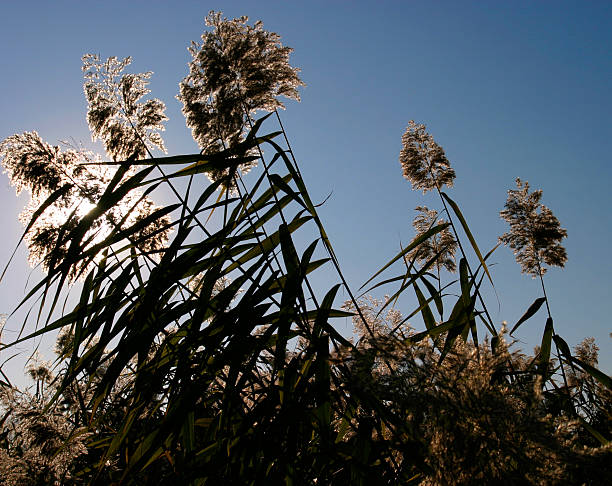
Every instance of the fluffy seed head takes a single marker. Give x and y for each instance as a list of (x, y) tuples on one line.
[(236, 70), (116, 115), (442, 243), (423, 161), (535, 233), (42, 169)]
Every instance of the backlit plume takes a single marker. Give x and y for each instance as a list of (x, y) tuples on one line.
[(236, 70), (42, 169), (127, 126), (423, 161), (535, 233), (442, 243)]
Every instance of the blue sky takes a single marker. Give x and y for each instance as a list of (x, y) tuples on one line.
[(509, 89)]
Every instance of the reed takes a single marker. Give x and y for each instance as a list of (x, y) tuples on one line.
[(200, 353)]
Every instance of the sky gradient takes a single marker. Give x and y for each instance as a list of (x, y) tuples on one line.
[(509, 89)]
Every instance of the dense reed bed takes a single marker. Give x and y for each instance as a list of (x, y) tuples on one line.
[(199, 352)]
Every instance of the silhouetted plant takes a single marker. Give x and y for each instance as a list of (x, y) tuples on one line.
[(217, 362), (64, 191)]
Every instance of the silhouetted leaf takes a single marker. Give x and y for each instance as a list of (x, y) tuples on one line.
[(533, 308)]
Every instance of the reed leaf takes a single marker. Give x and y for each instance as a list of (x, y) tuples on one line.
[(533, 308)]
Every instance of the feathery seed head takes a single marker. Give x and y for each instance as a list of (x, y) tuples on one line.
[(236, 70), (115, 114), (442, 243), (33, 164), (43, 169), (128, 127), (535, 233), (423, 161)]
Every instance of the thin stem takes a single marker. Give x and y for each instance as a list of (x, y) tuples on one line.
[(234, 178), (439, 291), (182, 200), (331, 255), (544, 290), (554, 333), (333, 259), (469, 268), (276, 200)]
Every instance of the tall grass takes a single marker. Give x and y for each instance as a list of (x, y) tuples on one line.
[(211, 359)]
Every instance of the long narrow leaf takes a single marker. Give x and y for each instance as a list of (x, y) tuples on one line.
[(467, 231), (416, 242), (545, 348), (533, 308)]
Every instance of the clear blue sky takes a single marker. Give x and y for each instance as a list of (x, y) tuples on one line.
[(509, 89)]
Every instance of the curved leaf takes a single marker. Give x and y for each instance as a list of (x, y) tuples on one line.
[(533, 308)]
